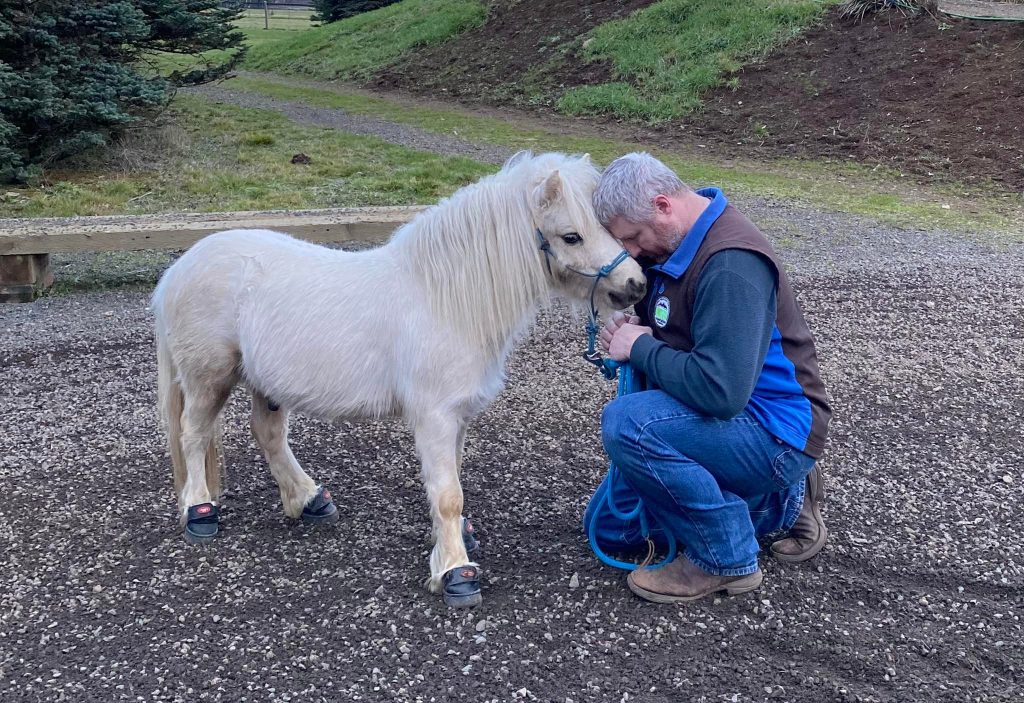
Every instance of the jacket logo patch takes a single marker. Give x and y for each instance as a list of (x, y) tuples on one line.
[(661, 308)]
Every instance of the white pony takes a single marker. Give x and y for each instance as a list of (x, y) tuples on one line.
[(420, 327)]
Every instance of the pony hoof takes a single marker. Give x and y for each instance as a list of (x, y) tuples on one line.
[(469, 536), (320, 510), (202, 523), (460, 587)]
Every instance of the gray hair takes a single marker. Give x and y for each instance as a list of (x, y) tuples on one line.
[(628, 187)]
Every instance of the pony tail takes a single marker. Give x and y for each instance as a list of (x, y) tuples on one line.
[(171, 403)]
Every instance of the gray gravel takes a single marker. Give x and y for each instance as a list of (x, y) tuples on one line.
[(917, 597)]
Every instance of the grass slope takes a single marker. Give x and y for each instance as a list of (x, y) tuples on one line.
[(668, 55), (663, 58), (353, 48)]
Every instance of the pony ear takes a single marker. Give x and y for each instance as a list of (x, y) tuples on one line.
[(518, 157), (586, 159), (549, 191)]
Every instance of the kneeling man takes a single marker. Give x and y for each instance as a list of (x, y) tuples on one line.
[(723, 446)]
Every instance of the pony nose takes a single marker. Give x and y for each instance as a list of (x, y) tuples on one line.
[(632, 292)]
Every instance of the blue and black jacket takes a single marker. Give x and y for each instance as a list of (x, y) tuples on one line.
[(729, 334)]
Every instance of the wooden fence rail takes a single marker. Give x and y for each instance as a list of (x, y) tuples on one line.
[(26, 244)]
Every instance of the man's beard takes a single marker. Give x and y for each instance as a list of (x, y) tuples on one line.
[(673, 239)]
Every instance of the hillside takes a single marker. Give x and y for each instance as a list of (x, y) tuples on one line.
[(635, 59), (934, 97), (937, 97)]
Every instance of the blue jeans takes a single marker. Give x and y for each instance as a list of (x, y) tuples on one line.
[(715, 484)]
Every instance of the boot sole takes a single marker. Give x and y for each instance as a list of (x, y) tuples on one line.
[(745, 585), (325, 519), (468, 601), (196, 540)]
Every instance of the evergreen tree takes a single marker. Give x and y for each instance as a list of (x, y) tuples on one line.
[(71, 75), (334, 10)]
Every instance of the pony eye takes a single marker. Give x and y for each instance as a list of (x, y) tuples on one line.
[(571, 238)]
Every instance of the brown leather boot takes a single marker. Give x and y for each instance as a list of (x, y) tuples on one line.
[(808, 534), (682, 580)]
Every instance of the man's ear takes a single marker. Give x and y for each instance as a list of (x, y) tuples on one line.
[(662, 204), (549, 191)]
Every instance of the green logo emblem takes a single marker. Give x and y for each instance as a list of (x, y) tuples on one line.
[(661, 312)]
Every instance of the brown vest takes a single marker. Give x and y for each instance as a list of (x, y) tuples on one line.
[(732, 230)]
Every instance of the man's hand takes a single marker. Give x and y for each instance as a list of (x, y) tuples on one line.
[(622, 340), (611, 326)]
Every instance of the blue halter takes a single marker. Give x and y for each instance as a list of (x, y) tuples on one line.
[(607, 366)]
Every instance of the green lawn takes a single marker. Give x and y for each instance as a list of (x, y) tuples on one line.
[(669, 54), (355, 47), (222, 158)]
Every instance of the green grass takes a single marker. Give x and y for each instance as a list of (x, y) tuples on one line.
[(669, 54), (846, 187), (353, 48), (225, 158)]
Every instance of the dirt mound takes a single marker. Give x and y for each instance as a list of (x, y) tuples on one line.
[(935, 96)]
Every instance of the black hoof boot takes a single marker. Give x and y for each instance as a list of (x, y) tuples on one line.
[(320, 509), (469, 536), (201, 524), (461, 587)]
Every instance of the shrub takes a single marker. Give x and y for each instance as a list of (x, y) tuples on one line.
[(858, 9)]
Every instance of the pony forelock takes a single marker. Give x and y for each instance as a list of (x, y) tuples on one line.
[(477, 251)]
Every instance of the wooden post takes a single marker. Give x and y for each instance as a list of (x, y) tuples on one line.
[(23, 276)]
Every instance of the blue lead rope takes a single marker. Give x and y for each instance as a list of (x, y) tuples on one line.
[(613, 491), (606, 492)]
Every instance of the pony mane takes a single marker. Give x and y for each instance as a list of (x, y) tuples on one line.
[(477, 251)]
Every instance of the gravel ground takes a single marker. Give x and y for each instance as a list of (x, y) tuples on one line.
[(917, 597)]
